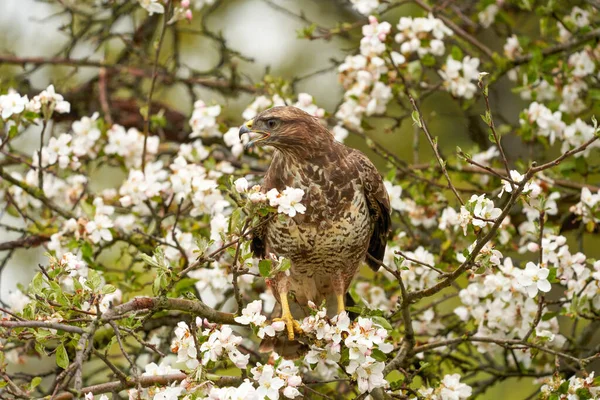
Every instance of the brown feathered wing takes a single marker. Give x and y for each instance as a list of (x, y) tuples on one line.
[(378, 202)]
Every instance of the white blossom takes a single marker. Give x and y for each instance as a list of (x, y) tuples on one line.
[(204, 120), (365, 7), (512, 47), (453, 389), (582, 64), (11, 104), (49, 101), (288, 201), (152, 6), (534, 278), (184, 345), (423, 35), (241, 185), (129, 144), (488, 15), (99, 229), (251, 314), (459, 76)]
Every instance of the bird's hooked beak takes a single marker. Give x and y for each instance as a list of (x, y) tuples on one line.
[(254, 135)]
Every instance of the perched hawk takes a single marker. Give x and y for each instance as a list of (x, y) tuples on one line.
[(347, 210)]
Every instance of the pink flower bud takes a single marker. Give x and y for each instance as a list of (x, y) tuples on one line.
[(185, 3), (188, 15), (533, 247)]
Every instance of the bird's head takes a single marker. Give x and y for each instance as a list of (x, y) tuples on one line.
[(288, 129)]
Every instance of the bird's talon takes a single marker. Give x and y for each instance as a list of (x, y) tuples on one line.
[(291, 324)]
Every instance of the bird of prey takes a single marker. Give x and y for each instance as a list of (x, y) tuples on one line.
[(347, 210)]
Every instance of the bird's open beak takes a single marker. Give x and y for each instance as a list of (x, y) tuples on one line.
[(254, 135)]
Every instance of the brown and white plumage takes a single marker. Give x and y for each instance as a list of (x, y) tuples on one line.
[(347, 208)]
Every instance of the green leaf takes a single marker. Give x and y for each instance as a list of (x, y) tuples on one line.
[(428, 60), (345, 356), (13, 131), (144, 112), (264, 267), (35, 382), (378, 355), (383, 323), (356, 310), (94, 280), (284, 265), (583, 394), (62, 358), (486, 118), (158, 120), (457, 53), (86, 251), (108, 289), (149, 260), (548, 316), (236, 221), (307, 32), (416, 118), (564, 387), (37, 283), (87, 208), (184, 284)]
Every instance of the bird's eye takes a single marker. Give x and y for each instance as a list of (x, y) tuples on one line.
[(271, 123)]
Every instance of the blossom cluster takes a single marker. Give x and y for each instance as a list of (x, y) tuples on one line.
[(550, 125), (572, 388), (588, 208), (272, 380), (488, 15), (204, 120), (365, 7), (422, 35), (251, 315), (181, 10), (459, 76), (450, 388), (365, 94), (216, 344), (414, 268), (287, 201), (47, 102), (171, 392), (580, 276), (364, 339), (501, 304), (570, 89)]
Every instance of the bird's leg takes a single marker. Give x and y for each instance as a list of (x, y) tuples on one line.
[(286, 316), (340, 303), (339, 288)]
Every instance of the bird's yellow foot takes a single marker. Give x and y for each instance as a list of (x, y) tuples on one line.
[(291, 324)]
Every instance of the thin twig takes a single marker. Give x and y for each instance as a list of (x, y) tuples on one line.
[(434, 146), (40, 169), (146, 113), (490, 122)]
